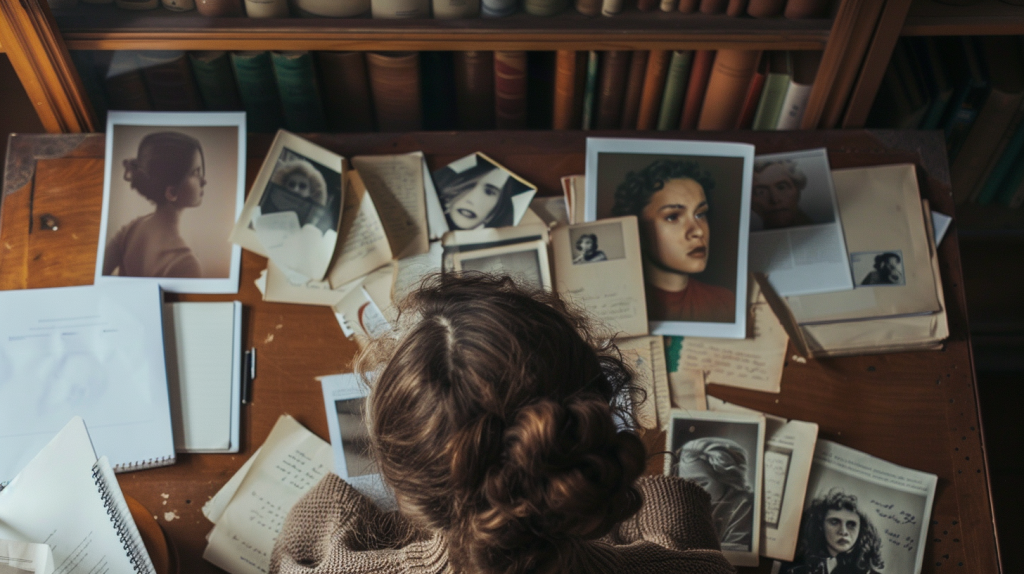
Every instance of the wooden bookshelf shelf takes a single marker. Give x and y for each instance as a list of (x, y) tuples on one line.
[(105, 27), (987, 18)]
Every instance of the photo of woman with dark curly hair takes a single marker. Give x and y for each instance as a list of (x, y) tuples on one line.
[(836, 537), (671, 200)]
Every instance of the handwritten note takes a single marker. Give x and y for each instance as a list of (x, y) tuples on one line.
[(776, 467), (363, 242), (288, 464), (395, 182)]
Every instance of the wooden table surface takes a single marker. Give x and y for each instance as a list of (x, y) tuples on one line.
[(917, 409)]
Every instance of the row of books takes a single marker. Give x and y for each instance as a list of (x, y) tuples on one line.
[(972, 88), (793, 9), (476, 90)]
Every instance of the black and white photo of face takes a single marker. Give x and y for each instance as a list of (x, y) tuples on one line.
[(473, 201)]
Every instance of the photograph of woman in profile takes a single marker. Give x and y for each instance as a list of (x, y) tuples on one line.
[(170, 171), (836, 538), (669, 198), (491, 416), (719, 466), (476, 193)]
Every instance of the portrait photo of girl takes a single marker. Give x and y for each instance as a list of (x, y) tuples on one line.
[(836, 537), (171, 192), (476, 191), (692, 202)]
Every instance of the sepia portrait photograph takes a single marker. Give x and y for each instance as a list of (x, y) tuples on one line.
[(527, 262), (878, 267), (475, 191), (596, 243), (722, 452), (692, 200), (173, 186)]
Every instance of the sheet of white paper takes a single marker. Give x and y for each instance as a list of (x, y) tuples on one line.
[(291, 461), (261, 282), (940, 223), (92, 351), (25, 557)]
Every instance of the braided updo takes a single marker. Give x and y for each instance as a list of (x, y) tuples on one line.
[(491, 417)]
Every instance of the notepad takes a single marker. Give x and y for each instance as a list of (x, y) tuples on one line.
[(203, 343), (94, 351)]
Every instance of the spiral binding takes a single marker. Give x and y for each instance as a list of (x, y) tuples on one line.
[(131, 544), (144, 464)]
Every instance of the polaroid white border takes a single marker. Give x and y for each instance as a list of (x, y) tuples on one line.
[(537, 245), (751, 558), (170, 119), (738, 328)]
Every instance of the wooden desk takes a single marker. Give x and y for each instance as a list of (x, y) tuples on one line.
[(915, 409)]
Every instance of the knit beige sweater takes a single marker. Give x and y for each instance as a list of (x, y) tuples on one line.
[(334, 529)]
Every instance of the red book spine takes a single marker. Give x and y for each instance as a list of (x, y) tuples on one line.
[(699, 74), (510, 89)]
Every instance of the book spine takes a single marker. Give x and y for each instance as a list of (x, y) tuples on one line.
[(590, 92), (215, 81), (179, 5), (765, 8), (727, 89), (793, 106), (545, 7), (220, 8), (170, 83), (999, 175), (634, 90), (474, 90), (346, 91), (332, 8), (654, 86), (448, 9), (750, 103), (497, 8), (713, 6), (675, 88), (400, 8), (736, 8), (565, 88), (611, 88), (800, 9), (647, 5), (395, 85), (300, 95), (254, 73), (589, 7), (611, 7), (700, 73), (266, 8), (510, 89), (685, 6)]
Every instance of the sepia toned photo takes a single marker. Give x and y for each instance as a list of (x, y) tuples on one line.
[(596, 243), (692, 200), (527, 263), (173, 186), (476, 191), (722, 452), (878, 267)]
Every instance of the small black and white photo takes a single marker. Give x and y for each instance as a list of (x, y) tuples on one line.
[(527, 262), (355, 438), (878, 267), (303, 186), (721, 452), (475, 191), (173, 186), (692, 202), (792, 190), (596, 243)]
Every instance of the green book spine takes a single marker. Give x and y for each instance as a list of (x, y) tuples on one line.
[(675, 89), (258, 89), (590, 92), (1000, 174), (772, 97), (216, 81), (300, 95)]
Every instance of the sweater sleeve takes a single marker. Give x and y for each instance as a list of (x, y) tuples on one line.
[(676, 514)]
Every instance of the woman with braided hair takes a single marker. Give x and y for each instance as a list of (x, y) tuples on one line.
[(492, 417)]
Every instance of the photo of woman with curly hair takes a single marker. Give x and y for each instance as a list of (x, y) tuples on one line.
[(836, 537)]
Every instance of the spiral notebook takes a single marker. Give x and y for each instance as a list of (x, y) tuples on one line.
[(94, 351), (68, 499)]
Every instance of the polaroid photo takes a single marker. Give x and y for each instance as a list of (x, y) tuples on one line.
[(527, 262), (173, 185), (345, 403), (293, 211), (475, 191), (681, 192), (797, 234), (599, 267), (878, 267), (862, 514), (722, 452)]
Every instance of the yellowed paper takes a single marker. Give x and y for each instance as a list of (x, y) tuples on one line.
[(279, 289), (636, 352), (662, 394), (364, 243), (395, 182), (686, 388), (598, 266), (366, 311), (289, 463), (574, 187)]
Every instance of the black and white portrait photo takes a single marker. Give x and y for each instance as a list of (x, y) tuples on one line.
[(721, 452), (878, 267), (475, 191), (526, 262), (692, 202), (173, 186), (355, 438), (596, 243), (300, 185), (792, 190)]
